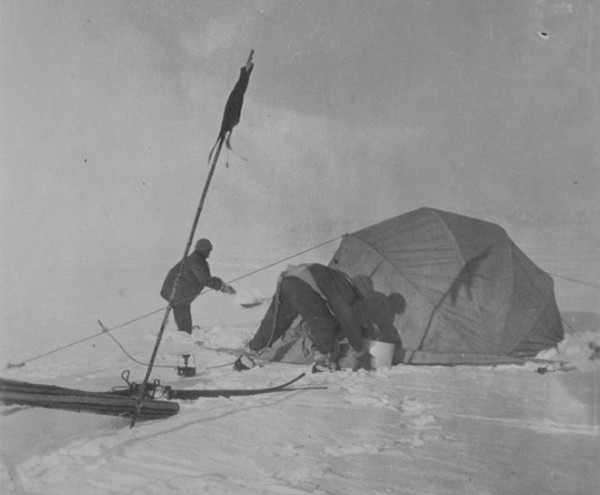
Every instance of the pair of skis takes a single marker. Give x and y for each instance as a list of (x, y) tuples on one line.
[(155, 404)]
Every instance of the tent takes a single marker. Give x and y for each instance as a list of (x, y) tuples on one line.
[(472, 296)]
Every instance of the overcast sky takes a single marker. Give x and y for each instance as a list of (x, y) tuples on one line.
[(356, 111)]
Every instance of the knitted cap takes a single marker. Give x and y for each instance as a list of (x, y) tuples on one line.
[(398, 302), (203, 245)]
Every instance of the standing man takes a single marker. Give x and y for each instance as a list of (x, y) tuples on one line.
[(195, 275)]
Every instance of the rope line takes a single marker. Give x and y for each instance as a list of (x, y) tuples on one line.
[(573, 330), (588, 284), (61, 348), (266, 267), (106, 330)]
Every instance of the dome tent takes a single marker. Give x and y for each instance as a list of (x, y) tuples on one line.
[(472, 296)]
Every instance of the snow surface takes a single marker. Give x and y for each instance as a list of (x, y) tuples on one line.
[(424, 430), (111, 109)]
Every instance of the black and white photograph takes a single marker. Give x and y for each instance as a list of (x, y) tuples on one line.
[(288, 247)]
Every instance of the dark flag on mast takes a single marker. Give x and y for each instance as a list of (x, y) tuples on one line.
[(233, 107), (231, 118)]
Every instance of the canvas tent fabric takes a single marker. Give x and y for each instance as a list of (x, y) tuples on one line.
[(472, 296)]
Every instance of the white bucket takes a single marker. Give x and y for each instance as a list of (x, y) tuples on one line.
[(382, 353)]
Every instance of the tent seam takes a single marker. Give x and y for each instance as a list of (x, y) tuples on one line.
[(534, 326), (415, 287)]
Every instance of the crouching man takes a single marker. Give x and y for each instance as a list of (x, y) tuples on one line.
[(323, 297)]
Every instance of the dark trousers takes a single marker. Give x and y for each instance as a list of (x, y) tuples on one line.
[(183, 317), (296, 297)]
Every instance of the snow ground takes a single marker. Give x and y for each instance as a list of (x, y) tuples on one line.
[(405, 430)]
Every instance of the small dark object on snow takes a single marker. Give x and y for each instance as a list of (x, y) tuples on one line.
[(243, 363), (184, 369)]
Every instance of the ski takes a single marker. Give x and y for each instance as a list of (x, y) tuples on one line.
[(182, 394)]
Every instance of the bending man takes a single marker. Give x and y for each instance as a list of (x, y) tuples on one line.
[(323, 297)]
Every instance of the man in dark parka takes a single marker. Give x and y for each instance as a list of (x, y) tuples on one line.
[(195, 275), (323, 297)]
